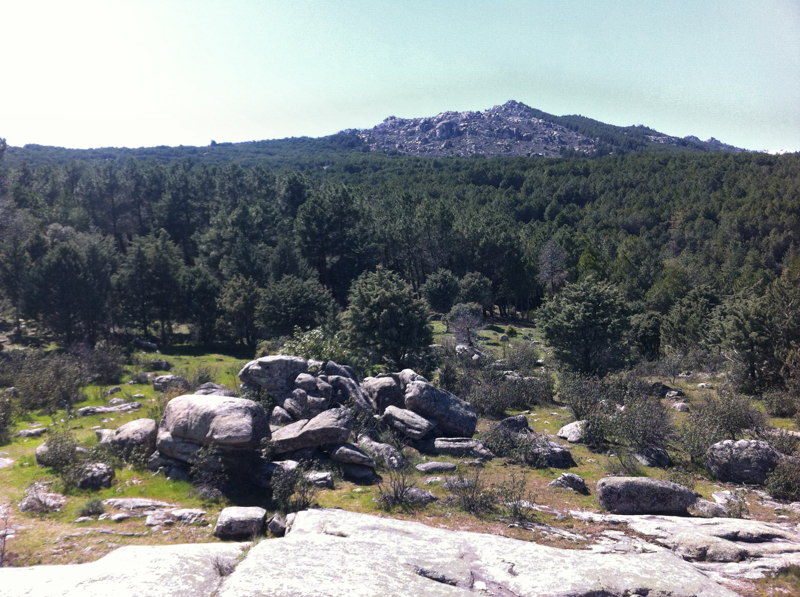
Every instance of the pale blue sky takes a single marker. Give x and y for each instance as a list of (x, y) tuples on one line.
[(90, 73)]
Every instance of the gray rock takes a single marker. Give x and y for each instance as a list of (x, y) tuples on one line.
[(159, 365), (436, 467), (383, 391), (132, 571), (454, 417), (680, 407), (348, 453), (94, 475), (239, 522), (554, 455), (135, 437), (742, 461), (416, 559), (136, 504), (384, 454), (407, 422), (335, 369), (322, 479), (37, 432), (170, 383), (274, 373), (39, 499), (358, 473), (277, 524), (346, 392), (653, 457), (88, 411), (279, 416), (572, 432), (708, 509), (419, 496), (570, 481), (112, 391), (641, 495), (461, 446), (213, 389), (515, 424), (330, 427), (306, 382), (406, 376)]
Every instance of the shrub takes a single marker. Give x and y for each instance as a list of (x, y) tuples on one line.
[(783, 483), (519, 447), (780, 403), (103, 364), (471, 493), (494, 395), (291, 491), (395, 492), (515, 499), (782, 440), (6, 416), (49, 382), (644, 422), (93, 507)]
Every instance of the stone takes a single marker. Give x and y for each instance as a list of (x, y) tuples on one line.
[(88, 411), (335, 369), (213, 389), (306, 382), (416, 559), (330, 427), (680, 407), (170, 383), (131, 571), (159, 365), (383, 391), (277, 524), (641, 495), (37, 432), (653, 457), (279, 417), (407, 422), (742, 461), (135, 437), (274, 373), (436, 467), (515, 424), (419, 496), (40, 500), (136, 504), (708, 509), (406, 376), (454, 416), (240, 522), (384, 454), (348, 453), (192, 421), (322, 479), (570, 481), (358, 473), (461, 446), (112, 391), (346, 392), (554, 454), (95, 475), (572, 432)]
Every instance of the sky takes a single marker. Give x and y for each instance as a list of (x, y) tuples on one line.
[(140, 73)]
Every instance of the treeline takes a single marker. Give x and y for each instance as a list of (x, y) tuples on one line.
[(243, 253)]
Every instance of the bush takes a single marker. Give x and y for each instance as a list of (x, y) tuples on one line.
[(102, 365), (783, 483), (93, 507), (49, 382), (782, 440), (395, 492), (6, 416), (515, 499), (291, 491), (494, 395), (523, 357), (644, 423), (519, 447), (780, 403), (471, 493)]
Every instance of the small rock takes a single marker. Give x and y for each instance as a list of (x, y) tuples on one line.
[(570, 481), (240, 522), (436, 467)]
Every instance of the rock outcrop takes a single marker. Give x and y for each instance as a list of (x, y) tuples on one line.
[(742, 461), (642, 495)]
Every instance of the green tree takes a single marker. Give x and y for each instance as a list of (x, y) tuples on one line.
[(476, 288), (440, 290), (385, 321), (200, 291), (291, 303), (238, 302), (585, 324), (465, 319)]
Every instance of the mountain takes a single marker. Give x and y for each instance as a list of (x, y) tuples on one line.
[(511, 129), (514, 129)]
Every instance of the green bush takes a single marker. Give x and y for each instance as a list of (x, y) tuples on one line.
[(393, 491), (644, 423), (93, 507), (471, 493), (514, 498), (291, 491), (494, 396), (7, 412), (49, 382), (522, 448), (780, 403), (783, 483)]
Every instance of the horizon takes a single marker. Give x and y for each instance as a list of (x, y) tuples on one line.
[(93, 74)]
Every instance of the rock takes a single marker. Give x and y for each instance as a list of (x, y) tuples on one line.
[(708, 509), (641, 495), (41, 454), (334, 369), (515, 424), (5, 462), (385, 454), (322, 479), (116, 401), (277, 524), (132, 571), (39, 500), (358, 473), (419, 496), (383, 391), (460, 446), (159, 365), (221, 421), (88, 411), (742, 461), (570, 481), (112, 391), (454, 417), (279, 416), (572, 432), (436, 467), (213, 389), (136, 504), (135, 437), (240, 522), (406, 376), (555, 455), (178, 516), (680, 407), (330, 427), (94, 475), (170, 383), (416, 559), (274, 373), (652, 456), (346, 392), (348, 453), (306, 382), (37, 432), (407, 422), (705, 386)]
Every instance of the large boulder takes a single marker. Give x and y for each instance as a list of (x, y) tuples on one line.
[(407, 422), (384, 454), (274, 373), (641, 495), (137, 437), (742, 461), (240, 522), (350, 454), (383, 391), (461, 446), (95, 475), (330, 427), (572, 432), (346, 392), (170, 383), (454, 416)]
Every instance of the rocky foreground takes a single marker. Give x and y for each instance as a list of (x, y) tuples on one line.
[(339, 553)]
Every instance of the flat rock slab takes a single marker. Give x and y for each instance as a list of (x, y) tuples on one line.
[(136, 504), (366, 555), (435, 466), (134, 571), (6, 462)]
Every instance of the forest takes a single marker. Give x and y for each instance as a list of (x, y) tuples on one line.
[(692, 253)]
